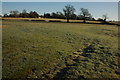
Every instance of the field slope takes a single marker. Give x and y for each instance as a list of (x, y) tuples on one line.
[(59, 50)]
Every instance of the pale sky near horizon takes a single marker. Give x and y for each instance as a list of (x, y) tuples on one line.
[(60, 0), (97, 9)]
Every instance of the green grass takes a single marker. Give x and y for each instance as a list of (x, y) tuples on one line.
[(40, 50)]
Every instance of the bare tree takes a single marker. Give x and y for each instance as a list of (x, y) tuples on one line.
[(105, 17), (85, 14), (68, 11)]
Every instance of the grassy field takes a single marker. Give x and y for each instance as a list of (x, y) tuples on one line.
[(59, 50)]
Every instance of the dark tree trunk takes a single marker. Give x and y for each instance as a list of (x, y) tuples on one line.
[(67, 20), (84, 20)]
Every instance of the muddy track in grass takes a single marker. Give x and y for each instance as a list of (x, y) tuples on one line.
[(70, 61), (69, 67), (58, 72)]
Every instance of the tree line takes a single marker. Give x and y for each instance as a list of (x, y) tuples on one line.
[(23, 14), (68, 13)]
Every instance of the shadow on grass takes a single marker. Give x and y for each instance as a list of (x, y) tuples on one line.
[(62, 75)]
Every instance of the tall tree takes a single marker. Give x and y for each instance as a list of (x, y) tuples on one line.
[(68, 12), (85, 14)]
